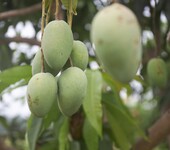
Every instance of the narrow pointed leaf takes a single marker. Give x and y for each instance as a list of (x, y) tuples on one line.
[(120, 137), (33, 128), (13, 75), (63, 135), (129, 127), (92, 102), (90, 136)]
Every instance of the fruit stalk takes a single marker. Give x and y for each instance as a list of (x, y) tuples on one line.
[(48, 13), (70, 14), (42, 31), (56, 9)]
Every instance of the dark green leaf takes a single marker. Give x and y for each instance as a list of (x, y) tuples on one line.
[(63, 135), (120, 137), (52, 116), (33, 128), (13, 75), (74, 145), (116, 87), (4, 122), (90, 136), (92, 102), (123, 127)]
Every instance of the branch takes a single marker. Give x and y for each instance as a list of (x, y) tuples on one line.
[(19, 40), (159, 131), (20, 12)]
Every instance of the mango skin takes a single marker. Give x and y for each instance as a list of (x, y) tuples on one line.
[(79, 55), (115, 33), (41, 93), (157, 72), (36, 65), (57, 42), (72, 86)]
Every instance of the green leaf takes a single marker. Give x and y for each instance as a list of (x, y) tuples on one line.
[(92, 102), (74, 145), (114, 83), (90, 136), (63, 134), (116, 87), (52, 116), (13, 75), (123, 127), (33, 128), (119, 135), (70, 4), (3, 121)]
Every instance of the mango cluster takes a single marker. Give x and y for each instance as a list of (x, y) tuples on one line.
[(59, 82), (116, 36)]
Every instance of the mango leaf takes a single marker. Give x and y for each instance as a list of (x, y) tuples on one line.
[(74, 145), (52, 116), (4, 122), (92, 102), (116, 87), (13, 75), (90, 136), (120, 137), (33, 128), (70, 4), (115, 84), (63, 134), (123, 127)]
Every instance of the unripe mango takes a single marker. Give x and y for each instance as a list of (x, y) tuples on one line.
[(115, 33), (41, 93), (72, 85), (157, 72), (79, 55), (57, 43), (36, 65)]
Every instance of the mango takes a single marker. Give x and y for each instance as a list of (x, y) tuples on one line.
[(57, 43), (36, 65), (116, 37), (72, 86), (41, 93), (79, 55), (157, 72)]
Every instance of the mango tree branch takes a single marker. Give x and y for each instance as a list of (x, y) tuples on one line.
[(159, 131), (18, 39), (20, 12)]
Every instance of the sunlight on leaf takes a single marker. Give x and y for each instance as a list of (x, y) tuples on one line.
[(13, 75), (92, 102)]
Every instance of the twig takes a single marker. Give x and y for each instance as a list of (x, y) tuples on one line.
[(18, 39), (159, 131), (20, 12)]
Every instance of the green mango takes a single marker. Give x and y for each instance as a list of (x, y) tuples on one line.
[(115, 34), (157, 72), (36, 65), (41, 93), (72, 85), (57, 43), (79, 55)]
